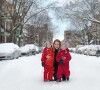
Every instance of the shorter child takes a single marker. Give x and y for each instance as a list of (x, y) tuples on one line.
[(63, 58), (47, 62)]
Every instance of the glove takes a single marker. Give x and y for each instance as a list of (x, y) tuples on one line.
[(60, 62), (43, 64), (63, 58)]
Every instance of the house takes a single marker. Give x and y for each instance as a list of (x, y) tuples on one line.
[(37, 35), (5, 22), (72, 38)]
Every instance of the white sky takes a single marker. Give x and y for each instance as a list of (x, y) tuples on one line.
[(61, 25), (57, 23)]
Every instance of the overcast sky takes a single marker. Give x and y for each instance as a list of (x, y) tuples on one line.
[(61, 26)]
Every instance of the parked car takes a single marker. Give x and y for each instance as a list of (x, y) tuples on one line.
[(92, 52), (72, 50), (84, 49), (32, 48), (85, 52), (25, 51), (9, 51), (92, 49), (79, 46), (41, 49), (78, 51), (98, 53)]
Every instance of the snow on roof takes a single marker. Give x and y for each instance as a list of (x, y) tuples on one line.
[(30, 46), (24, 49), (7, 47), (96, 47), (84, 47)]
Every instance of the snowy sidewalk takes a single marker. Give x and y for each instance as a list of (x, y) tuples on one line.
[(26, 73)]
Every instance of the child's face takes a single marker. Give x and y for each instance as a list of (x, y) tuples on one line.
[(48, 45), (63, 47)]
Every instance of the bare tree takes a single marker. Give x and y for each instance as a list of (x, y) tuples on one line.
[(19, 13), (42, 23)]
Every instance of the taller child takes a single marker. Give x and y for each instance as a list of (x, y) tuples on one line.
[(47, 62)]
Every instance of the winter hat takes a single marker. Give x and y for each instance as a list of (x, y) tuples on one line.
[(65, 44), (47, 42)]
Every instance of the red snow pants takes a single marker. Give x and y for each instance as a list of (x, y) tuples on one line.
[(48, 72), (63, 69)]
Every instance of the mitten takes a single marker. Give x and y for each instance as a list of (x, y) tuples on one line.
[(43, 64), (63, 58), (60, 62)]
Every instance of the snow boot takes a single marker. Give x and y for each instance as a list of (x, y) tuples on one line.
[(45, 80), (67, 78), (59, 80), (63, 78), (52, 80)]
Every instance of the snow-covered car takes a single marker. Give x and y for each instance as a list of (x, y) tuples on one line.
[(72, 50), (85, 52), (32, 48), (25, 51), (9, 51), (78, 51), (41, 49), (92, 50), (84, 49), (79, 46)]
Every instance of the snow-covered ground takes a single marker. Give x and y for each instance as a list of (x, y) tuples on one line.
[(26, 73)]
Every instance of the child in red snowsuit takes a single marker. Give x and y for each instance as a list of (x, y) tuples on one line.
[(47, 62), (63, 58)]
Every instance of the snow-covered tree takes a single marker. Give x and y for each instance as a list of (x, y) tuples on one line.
[(81, 14)]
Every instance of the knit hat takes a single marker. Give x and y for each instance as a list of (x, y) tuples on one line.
[(65, 44), (47, 42)]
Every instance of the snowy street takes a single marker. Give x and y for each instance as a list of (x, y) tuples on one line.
[(26, 73)]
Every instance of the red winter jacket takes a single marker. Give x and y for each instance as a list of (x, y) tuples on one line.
[(63, 53), (50, 52)]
